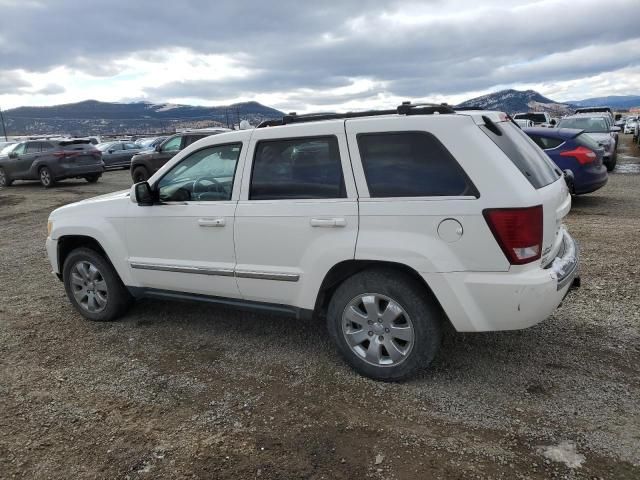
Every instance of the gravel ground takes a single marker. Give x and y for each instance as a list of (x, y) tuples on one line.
[(191, 391)]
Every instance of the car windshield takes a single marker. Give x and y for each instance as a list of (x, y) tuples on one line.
[(8, 148), (588, 124)]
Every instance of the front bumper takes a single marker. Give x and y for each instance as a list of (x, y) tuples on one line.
[(52, 253), (513, 300)]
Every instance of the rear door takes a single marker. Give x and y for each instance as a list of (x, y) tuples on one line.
[(298, 213)]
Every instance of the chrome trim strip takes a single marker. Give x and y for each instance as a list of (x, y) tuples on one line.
[(284, 277), (222, 272)]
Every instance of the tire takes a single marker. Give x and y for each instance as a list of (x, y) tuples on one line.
[(418, 327), (140, 174), (94, 287), (46, 177), (5, 180), (92, 178), (612, 162)]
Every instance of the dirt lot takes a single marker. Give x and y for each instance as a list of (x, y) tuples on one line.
[(191, 391)]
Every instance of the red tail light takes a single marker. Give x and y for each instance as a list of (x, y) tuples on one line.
[(582, 154), (518, 231), (65, 154)]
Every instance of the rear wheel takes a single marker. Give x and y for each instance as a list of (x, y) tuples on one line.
[(46, 177), (5, 180), (140, 174), (384, 324), (94, 287), (92, 178)]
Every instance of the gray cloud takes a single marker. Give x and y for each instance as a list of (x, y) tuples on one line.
[(51, 89), (12, 82), (291, 45)]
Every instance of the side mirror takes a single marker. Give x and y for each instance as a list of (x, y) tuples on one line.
[(111, 150), (553, 122), (13, 155), (157, 149), (142, 194), (615, 129)]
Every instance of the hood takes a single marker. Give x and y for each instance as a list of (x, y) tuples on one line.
[(109, 197)]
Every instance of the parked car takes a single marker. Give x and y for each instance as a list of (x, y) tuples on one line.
[(387, 225), (118, 154), (523, 123), (50, 161), (150, 143), (146, 163), (538, 118), (598, 128), (4, 145), (630, 125), (576, 151)]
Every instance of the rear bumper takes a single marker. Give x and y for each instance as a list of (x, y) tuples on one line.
[(68, 171), (582, 185), (493, 301)]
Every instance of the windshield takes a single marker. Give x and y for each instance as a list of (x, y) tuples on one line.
[(8, 148), (588, 124)]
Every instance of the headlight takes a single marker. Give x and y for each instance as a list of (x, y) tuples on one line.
[(49, 227)]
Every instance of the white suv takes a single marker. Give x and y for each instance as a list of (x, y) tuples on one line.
[(388, 224)]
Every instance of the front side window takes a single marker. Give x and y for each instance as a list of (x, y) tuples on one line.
[(205, 175), (172, 145), (300, 168), (19, 150), (411, 164), (131, 146)]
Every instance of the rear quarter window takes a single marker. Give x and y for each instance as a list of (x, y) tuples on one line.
[(546, 143), (534, 164), (411, 164)]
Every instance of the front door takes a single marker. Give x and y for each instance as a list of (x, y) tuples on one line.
[(298, 214), (185, 243)]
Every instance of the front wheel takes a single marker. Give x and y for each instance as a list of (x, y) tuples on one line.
[(5, 181), (612, 162), (385, 324), (92, 178), (46, 177), (94, 287), (140, 174)]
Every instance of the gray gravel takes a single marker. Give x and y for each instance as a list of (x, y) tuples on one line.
[(179, 390)]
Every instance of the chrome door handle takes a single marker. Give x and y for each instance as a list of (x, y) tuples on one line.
[(328, 222), (211, 222)]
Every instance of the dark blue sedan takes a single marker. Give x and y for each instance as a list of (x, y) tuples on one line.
[(574, 150)]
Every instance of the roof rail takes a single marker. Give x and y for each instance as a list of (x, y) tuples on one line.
[(472, 107), (407, 108)]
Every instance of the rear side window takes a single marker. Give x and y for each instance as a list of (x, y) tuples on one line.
[(189, 139), (300, 168), (546, 142), (33, 147), (46, 146), (534, 164), (411, 164)]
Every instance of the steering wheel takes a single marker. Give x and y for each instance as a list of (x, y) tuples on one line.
[(219, 188)]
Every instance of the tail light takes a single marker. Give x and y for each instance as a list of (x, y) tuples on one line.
[(582, 154), (518, 231)]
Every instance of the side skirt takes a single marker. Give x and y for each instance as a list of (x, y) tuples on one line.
[(275, 308)]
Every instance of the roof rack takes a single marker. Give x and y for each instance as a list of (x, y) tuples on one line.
[(406, 108)]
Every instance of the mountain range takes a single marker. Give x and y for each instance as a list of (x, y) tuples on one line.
[(92, 117)]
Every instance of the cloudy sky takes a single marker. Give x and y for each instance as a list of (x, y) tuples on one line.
[(302, 55)]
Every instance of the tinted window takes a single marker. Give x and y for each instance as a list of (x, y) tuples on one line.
[(46, 146), (205, 175), (189, 139), (534, 164), (297, 169), (546, 142), (411, 164), (172, 145), (33, 147), (130, 146)]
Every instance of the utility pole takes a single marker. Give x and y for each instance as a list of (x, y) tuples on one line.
[(4, 129)]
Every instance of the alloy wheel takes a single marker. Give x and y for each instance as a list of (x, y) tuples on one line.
[(89, 287), (45, 177), (378, 330)]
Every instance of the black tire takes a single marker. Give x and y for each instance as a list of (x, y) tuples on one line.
[(5, 179), (92, 178), (118, 299), (140, 174), (426, 320), (46, 177), (612, 162)]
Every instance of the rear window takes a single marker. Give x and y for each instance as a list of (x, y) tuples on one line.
[(587, 141), (546, 143), (411, 164), (534, 164)]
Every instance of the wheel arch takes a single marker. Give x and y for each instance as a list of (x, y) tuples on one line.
[(346, 269), (68, 243)]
